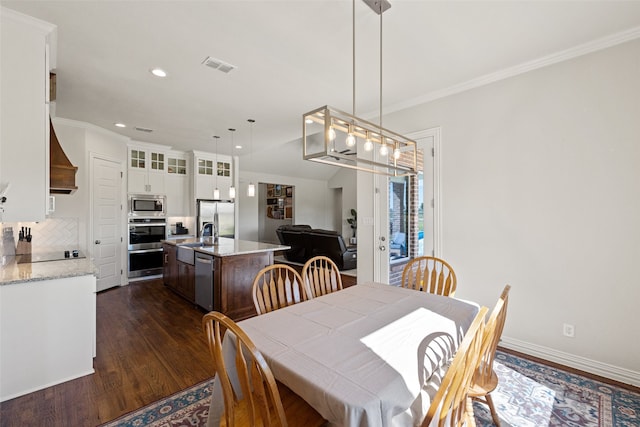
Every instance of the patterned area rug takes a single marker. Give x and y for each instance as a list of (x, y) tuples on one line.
[(529, 394), (187, 408)]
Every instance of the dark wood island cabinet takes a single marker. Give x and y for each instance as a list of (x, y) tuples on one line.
[(235, 265), (170, 265)]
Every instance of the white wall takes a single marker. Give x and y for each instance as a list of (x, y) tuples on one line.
[(72, 140), (346, 180), (79, 140), (540, 184), (313, 202)]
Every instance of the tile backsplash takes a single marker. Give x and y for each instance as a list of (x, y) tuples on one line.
[(49, 234)]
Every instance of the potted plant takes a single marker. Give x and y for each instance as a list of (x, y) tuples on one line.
[(353, 222)]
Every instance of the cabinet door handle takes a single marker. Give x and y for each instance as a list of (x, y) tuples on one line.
[(97, 242), (166, 258)]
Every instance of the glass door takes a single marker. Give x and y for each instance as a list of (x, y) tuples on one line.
[(406, 212)]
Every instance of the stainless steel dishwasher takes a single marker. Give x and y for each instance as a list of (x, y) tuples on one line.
[(204, 280)]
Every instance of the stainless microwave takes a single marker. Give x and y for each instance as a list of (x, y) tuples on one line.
[(146, 205)]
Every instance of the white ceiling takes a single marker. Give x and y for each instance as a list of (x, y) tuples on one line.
[(291, 57)]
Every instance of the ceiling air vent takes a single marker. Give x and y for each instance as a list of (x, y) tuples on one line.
[(143, 129), (217, 64)]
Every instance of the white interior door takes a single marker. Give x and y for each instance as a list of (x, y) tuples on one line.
[(429, 189), (429, 143), (106, 219), (381, 228)]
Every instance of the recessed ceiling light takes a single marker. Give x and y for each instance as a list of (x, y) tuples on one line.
[(120, 125), (308, 121), (159, 72), (239, 147)]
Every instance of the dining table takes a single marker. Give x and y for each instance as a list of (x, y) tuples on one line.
[(370, 355)]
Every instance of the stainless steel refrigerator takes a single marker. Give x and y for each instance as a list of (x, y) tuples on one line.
[(206, 210)]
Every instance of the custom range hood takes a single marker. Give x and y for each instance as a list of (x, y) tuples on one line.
[(62, 174)]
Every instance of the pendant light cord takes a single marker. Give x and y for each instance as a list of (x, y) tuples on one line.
[(215, 167), (353, 54), (381, 12), (232, 130)]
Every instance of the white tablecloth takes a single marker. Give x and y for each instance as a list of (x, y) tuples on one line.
[(368, 355)]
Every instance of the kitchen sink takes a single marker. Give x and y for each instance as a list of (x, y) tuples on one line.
[(206, 242), (186, 253)]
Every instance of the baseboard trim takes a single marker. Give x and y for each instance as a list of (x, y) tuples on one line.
[(46, 385), (615, 373)]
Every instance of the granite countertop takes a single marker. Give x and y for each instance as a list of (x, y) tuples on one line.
[(226, 246), (12, 272)]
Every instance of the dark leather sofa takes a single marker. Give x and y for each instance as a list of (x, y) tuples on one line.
[(307, 242)]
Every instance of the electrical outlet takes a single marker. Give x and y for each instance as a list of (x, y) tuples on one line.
[(568, 330)]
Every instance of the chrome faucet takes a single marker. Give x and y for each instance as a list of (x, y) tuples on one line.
[(215, 229)]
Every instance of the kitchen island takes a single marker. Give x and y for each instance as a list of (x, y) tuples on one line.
[(47, 323), (217, 277)]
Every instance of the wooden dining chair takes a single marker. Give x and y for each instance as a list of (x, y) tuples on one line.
[(451, 404), (258, 401), (277, 286), (321, 276), (485, 379), (429, 274)]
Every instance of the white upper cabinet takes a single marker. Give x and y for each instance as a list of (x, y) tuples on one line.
[(147, 168), (211, 171), (178, 184), (24, 116)]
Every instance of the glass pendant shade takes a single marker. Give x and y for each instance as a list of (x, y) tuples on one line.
[(216, 193), (332, 134), (351, 138), (232, 192), (251, 189), (384, 150)]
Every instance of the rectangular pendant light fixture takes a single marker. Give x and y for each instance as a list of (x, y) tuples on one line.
[(337, 138)]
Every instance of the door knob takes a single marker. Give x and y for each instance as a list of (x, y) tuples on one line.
[(382, 248), (97, 242)]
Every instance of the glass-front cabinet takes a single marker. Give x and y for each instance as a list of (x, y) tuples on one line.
[(147, 168), (212, 171)]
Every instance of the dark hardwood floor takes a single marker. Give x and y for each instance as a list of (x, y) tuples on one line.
[(150, 344)]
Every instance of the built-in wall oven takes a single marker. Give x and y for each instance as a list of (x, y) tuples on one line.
[(145, 246)]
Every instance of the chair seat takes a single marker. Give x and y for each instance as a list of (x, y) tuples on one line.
[(482, 386)]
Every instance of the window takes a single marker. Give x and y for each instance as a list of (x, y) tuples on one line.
[(398, 217)]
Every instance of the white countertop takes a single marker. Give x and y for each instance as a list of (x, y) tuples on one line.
[(229, 247), (13, 272)]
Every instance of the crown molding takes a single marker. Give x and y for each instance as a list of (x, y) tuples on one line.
[(565, 55), (90, 126), (45, 27)]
